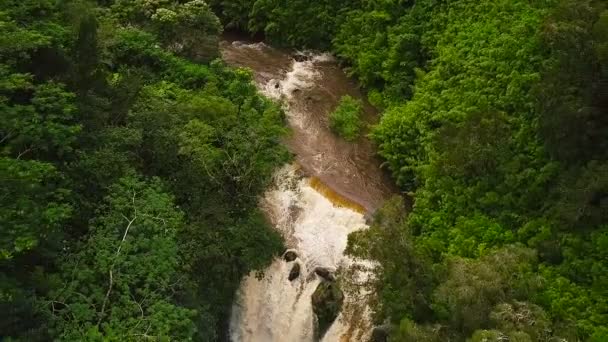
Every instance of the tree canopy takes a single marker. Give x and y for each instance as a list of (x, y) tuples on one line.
[(131, 160), (130, 165), (494, 121)]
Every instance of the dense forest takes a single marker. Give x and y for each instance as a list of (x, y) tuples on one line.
[(131, 160), (130, 164), (494, 121)]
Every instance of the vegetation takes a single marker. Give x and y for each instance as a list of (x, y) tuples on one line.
[(495, 120), (131, 161), (345, 120), (130, 165)]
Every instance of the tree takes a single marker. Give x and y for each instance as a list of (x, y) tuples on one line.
[(34, 206), (404, 278), (189, 29), (46, 127), (120, 282), (471, 289), (86, 54), (528, 321)]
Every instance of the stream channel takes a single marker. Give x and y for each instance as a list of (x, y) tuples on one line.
[(315, 202)]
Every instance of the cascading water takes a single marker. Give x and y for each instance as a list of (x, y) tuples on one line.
[(274, 308), (314, 218)]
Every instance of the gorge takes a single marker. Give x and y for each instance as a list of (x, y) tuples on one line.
[(314, 202)]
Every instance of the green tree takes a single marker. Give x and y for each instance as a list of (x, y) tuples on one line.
[(404, 278), (120, 281), (345, 120), (471, 289), (34, 206)]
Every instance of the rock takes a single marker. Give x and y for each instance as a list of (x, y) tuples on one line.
[(294, 212), (369, 218), (325, 273), (300, 57), (327, 303), (295, 272), (315, 327), (380, 333), (290, 255), (313, 98)]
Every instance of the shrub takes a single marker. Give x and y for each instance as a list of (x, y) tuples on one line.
[(346, 119)]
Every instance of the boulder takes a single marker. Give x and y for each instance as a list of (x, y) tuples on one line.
[(380, 333), (295, 272), (301, 57), (290, 255), (325, 273)]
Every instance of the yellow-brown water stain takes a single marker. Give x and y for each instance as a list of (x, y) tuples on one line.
[(334, 197)]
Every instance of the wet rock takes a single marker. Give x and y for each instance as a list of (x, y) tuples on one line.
[(380, 333), (294, 212), (300, 57), (315, 327), (313, 98), (325, 273), (327, 303), (295, 272), (277, 85), (296, 91), (290, 255)]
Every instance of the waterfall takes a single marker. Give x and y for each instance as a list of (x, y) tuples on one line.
[(274, 308), (314, 220)]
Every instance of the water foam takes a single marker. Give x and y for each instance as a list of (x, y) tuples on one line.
[(302, 76), (255, 46), (275, 309)]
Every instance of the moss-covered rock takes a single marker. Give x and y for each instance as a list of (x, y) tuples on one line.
[(327, 302)]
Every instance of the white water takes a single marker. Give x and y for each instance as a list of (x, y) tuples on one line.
[(274, 309), (302, 76)]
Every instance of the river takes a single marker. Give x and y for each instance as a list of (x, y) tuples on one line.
[(314, 202)]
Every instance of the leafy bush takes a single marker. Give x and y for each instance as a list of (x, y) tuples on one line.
[(346, 119)]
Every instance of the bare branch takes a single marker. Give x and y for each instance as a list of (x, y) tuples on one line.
[(8, 135), (111, 282), (29, 149)]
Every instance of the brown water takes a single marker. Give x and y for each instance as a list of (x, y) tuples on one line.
[(312, 85), (314, 203)]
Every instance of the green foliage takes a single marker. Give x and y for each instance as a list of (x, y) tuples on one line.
[(494, 119), (129, 171), (501, 142), (34, 205), (345, 120), (189, 29), (404, 278), (471, 288), (45, 127), (527, 320), (118, 284), (410, 331)]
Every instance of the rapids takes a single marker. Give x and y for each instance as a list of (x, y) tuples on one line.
[(315, 203)]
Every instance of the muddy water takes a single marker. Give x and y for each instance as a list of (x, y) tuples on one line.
[(312, 85), (315, 203)]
